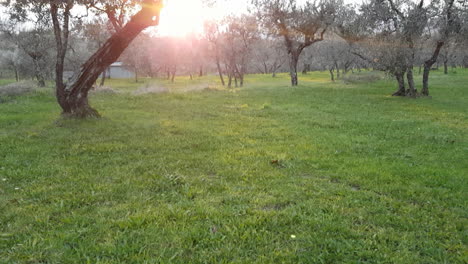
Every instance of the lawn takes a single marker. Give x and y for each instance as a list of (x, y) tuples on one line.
[(6, 81), (322, 173)]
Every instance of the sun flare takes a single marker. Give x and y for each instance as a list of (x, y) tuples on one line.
[(182, 17)]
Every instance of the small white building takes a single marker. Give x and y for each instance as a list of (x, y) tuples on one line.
[(118, 71), (115, 71)]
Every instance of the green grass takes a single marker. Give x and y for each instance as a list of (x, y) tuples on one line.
[(229, 176), (6, 81)]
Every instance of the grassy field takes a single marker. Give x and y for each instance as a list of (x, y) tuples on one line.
[(322, 173), (6, 81)]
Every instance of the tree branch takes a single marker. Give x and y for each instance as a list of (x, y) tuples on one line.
[(395, 9)]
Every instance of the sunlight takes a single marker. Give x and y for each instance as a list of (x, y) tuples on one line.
[(182, 17)]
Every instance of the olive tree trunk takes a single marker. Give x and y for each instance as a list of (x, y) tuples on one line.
[(293, 60), (16, 74), (412, 92), (332, 75), (427, 67), (73, 97), (220, 71), (400, 77), (103, 78), (445, 65)]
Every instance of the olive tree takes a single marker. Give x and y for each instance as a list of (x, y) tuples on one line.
[(31, 34), (446, 23), (237, 39), (386, 33), (269, 56), (73, 96), (212, 35), (300, 25)]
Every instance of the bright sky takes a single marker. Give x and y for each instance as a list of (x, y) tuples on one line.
[(182, 17)]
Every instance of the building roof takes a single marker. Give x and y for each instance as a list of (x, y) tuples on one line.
[(117, 64)]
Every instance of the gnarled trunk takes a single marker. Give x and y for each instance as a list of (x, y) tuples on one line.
[(332, 75), (293, 60), (73, 98), (427, 67), (38, 73), (400, 77), (411, 89)]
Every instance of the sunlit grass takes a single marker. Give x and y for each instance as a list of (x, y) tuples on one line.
[(320, 173)]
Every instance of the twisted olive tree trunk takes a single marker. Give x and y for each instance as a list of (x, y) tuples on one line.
[(412, 92), (293, 60), (73, 97), (332, 73), (428, 65), (400, 77)]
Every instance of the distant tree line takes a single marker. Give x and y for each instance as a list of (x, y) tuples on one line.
[(45, 39)]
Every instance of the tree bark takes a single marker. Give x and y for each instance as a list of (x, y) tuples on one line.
[(332, 75), (73, 98), (411, 89), (425, 81), (293, 60), (229, 81), (220, 72), (16, 74), (103, 78), (400, 77), (337, 71), (445, 66), (427, 67), (37, 69), (61, 32)]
